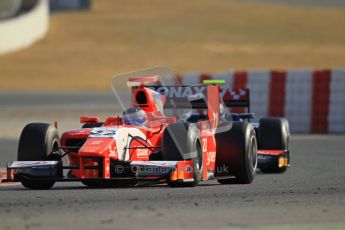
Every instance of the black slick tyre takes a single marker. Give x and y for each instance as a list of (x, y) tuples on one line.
[(274, 134), (237, 154), (181, 142), (38, 142)]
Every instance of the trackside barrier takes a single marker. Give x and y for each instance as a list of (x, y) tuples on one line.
[(312, 100), (22, 31), (259, 83), (297, 104), (336, 114), (2, 174)]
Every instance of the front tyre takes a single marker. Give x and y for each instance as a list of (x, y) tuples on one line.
[(38, 142), (181, 142)]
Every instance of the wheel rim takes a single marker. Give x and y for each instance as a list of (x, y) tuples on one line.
[(252, 155), (55, 147), (55, 154), (198, 160)]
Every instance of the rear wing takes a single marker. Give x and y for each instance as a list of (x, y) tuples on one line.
[(193, 97), (196, 96), (183, 96)]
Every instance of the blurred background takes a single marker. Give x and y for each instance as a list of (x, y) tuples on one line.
[(69, 45)]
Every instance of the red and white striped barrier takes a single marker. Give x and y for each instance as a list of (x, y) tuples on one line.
[(312, 100), (3, 175)]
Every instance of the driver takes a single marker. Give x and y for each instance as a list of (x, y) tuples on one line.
[(134, 116)]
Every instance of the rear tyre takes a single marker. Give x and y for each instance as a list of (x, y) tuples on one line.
[(181, 142), (237, 154), (38, 142), (274, 134)]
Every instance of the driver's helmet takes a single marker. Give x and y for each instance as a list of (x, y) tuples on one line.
[(134, 116)]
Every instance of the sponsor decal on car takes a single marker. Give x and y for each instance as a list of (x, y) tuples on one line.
[(142, 153), (196, 91), (103, 132), (263, 158)]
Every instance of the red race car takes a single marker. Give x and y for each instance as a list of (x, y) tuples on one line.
[(168, 133)]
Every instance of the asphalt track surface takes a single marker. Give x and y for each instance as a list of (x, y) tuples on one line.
[(310, 195)]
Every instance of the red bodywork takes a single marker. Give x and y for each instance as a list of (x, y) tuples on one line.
[(96, 151)]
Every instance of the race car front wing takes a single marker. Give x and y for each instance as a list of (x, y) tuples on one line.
[(139, 171)]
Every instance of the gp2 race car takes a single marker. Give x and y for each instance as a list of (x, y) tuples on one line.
[(168, 133)]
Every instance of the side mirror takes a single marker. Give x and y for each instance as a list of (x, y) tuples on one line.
[(85, 120)]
